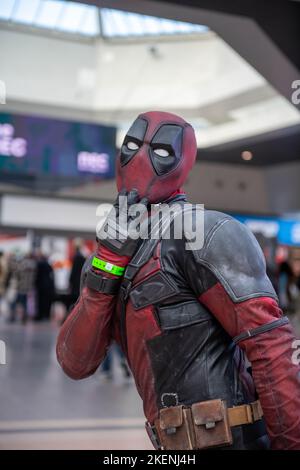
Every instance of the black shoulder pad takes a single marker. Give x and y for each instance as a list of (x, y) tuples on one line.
[(233, 255)]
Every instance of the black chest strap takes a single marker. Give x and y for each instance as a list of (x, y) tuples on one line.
[(141, 257)]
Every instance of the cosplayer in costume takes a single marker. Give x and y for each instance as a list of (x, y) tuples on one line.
[(186, 319)]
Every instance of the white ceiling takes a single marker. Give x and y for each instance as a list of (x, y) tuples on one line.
[(202, 79), (197, 76)]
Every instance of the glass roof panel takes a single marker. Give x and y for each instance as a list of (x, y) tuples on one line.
[(49, 13), (90, 22), (6, 8), (71, 17), (120, 23), (74, 17), (25, 11)]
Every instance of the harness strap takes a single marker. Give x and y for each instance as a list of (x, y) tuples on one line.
[(260, 329), (141, 257)]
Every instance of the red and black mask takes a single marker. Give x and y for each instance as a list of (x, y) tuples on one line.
[(156, 156)]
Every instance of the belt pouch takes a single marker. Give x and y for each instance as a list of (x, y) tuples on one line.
[(175, 428), (211, 424)]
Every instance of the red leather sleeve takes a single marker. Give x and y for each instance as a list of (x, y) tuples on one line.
[(86, 334), (276, 377)]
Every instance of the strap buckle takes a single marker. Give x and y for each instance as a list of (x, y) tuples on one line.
[(249, 414), (256, 410), (245, 414), (151, 431), (125, 288)]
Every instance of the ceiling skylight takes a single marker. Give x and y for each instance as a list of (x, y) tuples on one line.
[(79, 18), (58, 15), (119, 23)]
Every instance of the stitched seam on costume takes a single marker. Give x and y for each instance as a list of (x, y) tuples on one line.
[(212, 233), (82, 359), (206, 359), (273, 393), (73, 321), (65, 343), (94, 361)]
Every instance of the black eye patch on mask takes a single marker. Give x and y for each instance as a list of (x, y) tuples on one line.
[(166, 148), (136, 135)]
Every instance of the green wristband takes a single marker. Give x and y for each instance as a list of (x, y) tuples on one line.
[(107, 267)]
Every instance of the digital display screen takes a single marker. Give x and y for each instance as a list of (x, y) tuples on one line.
[(41, 146), (286, 231)]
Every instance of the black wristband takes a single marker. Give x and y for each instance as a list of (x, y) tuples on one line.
[(102, 284)]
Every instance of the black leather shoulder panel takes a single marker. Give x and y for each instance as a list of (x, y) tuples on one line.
[(233, 255)]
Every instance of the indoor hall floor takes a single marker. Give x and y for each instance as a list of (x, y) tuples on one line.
[(41, 408)]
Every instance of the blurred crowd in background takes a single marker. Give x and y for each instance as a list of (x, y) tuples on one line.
[(27, 286), (28, 291), (28, 294)]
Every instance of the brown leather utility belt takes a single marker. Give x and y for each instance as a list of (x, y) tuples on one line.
[(201, 426)]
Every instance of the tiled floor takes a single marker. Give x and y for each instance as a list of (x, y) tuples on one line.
[(41, 408)]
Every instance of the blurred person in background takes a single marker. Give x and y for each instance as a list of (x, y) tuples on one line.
[(269, 249), (45, 289), (23, 271), (11, 281), (77, 265), (288, 291), (295, 263), (107, 364), (3, 276)]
